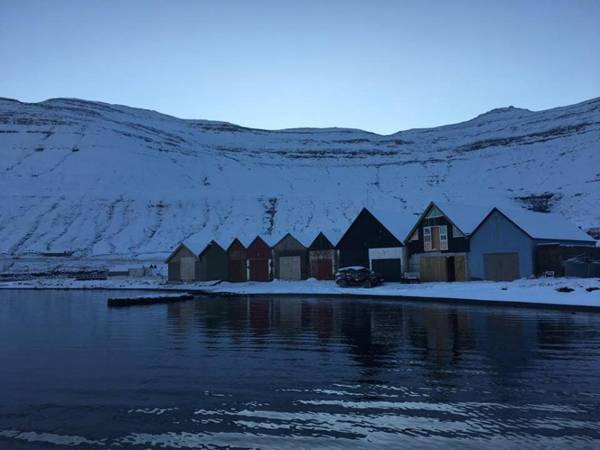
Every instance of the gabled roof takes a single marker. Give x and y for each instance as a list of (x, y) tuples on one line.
[(233, 241), (464, 217), (544, 225), (259, 239), (321, 242), (397, 221), (212, 244), (174, 252), (333, 235), (288, 236), (197, 247), (365, 212)]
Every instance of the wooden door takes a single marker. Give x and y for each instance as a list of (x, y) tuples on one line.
[(237, 270), (324, 269), (433, 268), (259, 269), (435, 238), (460, 268)]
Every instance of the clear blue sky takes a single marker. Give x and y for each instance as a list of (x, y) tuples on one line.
[(378, 65)]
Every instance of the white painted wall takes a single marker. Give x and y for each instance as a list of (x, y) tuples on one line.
[(389, 253)]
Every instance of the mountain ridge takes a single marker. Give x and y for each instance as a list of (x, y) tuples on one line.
[(102, 179), (491, 112)]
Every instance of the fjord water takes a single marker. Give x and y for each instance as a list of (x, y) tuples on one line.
[(279, 373)]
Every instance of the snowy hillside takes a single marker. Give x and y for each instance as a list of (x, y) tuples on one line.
[(102, 179)]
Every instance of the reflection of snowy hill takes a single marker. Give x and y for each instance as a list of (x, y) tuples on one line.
[(102, 179)]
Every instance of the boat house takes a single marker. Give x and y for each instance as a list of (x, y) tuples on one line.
[(197, 262), (504, 245), (236, 257), (323, 258), (290, 259), (212, 263), (259, 260), (368, 242), (182, 264), (438, 244)]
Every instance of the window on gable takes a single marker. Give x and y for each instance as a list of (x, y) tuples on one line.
[(435, 238), (456, 232), (434, 212), (415, 235)]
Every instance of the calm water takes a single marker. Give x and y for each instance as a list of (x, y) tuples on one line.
[(281, 373)]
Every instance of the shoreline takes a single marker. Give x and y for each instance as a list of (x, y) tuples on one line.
[(413, 299), (521, 293)]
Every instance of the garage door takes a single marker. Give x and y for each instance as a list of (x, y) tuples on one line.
[(259, 269), (501, 266), (188, 269), (433, 268), (237, 270), (390, 269), (289, 268)]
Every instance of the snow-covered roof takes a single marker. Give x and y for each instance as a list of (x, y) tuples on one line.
[(545, 226), (197, 246), (398, 221), (465, 217)]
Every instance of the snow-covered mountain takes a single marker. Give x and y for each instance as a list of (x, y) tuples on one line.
[(102, 179)]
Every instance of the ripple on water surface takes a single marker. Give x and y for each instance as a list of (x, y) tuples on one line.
[(279, 373)]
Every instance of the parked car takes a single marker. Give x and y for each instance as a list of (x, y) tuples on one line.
[(357, 276)]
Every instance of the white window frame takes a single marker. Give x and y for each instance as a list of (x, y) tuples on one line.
[(427, 239), (443, 237)]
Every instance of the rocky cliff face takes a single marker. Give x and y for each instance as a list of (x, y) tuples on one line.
[(101, 179)]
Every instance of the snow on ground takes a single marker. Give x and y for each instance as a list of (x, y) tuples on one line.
[(533, 291), (541, 291)]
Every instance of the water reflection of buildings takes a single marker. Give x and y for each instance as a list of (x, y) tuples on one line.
[(378, 334), (440, 333)]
